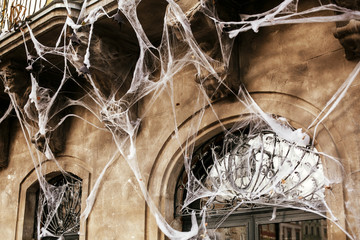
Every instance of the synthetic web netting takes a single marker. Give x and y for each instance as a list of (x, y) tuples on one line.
[(262, 160)]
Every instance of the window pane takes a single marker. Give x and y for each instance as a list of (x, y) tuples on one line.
[(267, 231), (294, 230), (238, 233)]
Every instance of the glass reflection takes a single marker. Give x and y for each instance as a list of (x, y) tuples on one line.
[(301, 230), (231, 233)]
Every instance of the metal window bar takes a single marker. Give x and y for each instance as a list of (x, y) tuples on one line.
[(246, 168), (13, 12)]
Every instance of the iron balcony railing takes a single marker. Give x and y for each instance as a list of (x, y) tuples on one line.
[(14, 12)]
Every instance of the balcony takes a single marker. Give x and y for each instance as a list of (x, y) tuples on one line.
[(15, 12), (46, 20)]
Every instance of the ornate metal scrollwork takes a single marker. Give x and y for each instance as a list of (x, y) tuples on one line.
[(242, 171)]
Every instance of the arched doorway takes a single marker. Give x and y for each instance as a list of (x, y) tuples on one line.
[(169, 161), (249, 183)]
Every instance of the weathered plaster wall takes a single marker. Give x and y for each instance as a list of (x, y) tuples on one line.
[(10, 179), (305, 62), (289, 70)]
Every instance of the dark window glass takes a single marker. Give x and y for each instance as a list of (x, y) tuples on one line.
[(291, 230)]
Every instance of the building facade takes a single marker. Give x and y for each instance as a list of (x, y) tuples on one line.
[(120, 119)]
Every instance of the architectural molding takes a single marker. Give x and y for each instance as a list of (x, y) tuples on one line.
[(12, 81), (169, 161), (348, 33), (219, 79), (29, 186), (349, 37), (109, 73), (17, 83)]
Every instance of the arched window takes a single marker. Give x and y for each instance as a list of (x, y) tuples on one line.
[(258, 180), (69, 187), (55, 208)]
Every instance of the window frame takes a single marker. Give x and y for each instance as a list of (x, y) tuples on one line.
[(253, 218), (29, 185), (54, 180)]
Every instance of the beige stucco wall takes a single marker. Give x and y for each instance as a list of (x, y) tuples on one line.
[(305, 62), (291, 71)]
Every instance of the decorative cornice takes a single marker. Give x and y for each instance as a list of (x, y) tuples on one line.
[(348, 33), (16, 81), (349, 37)]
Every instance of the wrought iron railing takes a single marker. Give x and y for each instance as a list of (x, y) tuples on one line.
[(15, 12)]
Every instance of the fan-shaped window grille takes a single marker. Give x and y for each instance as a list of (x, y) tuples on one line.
[(240, 171), (58, 210)]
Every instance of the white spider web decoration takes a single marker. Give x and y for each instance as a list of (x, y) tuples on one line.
[(150, 73)]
